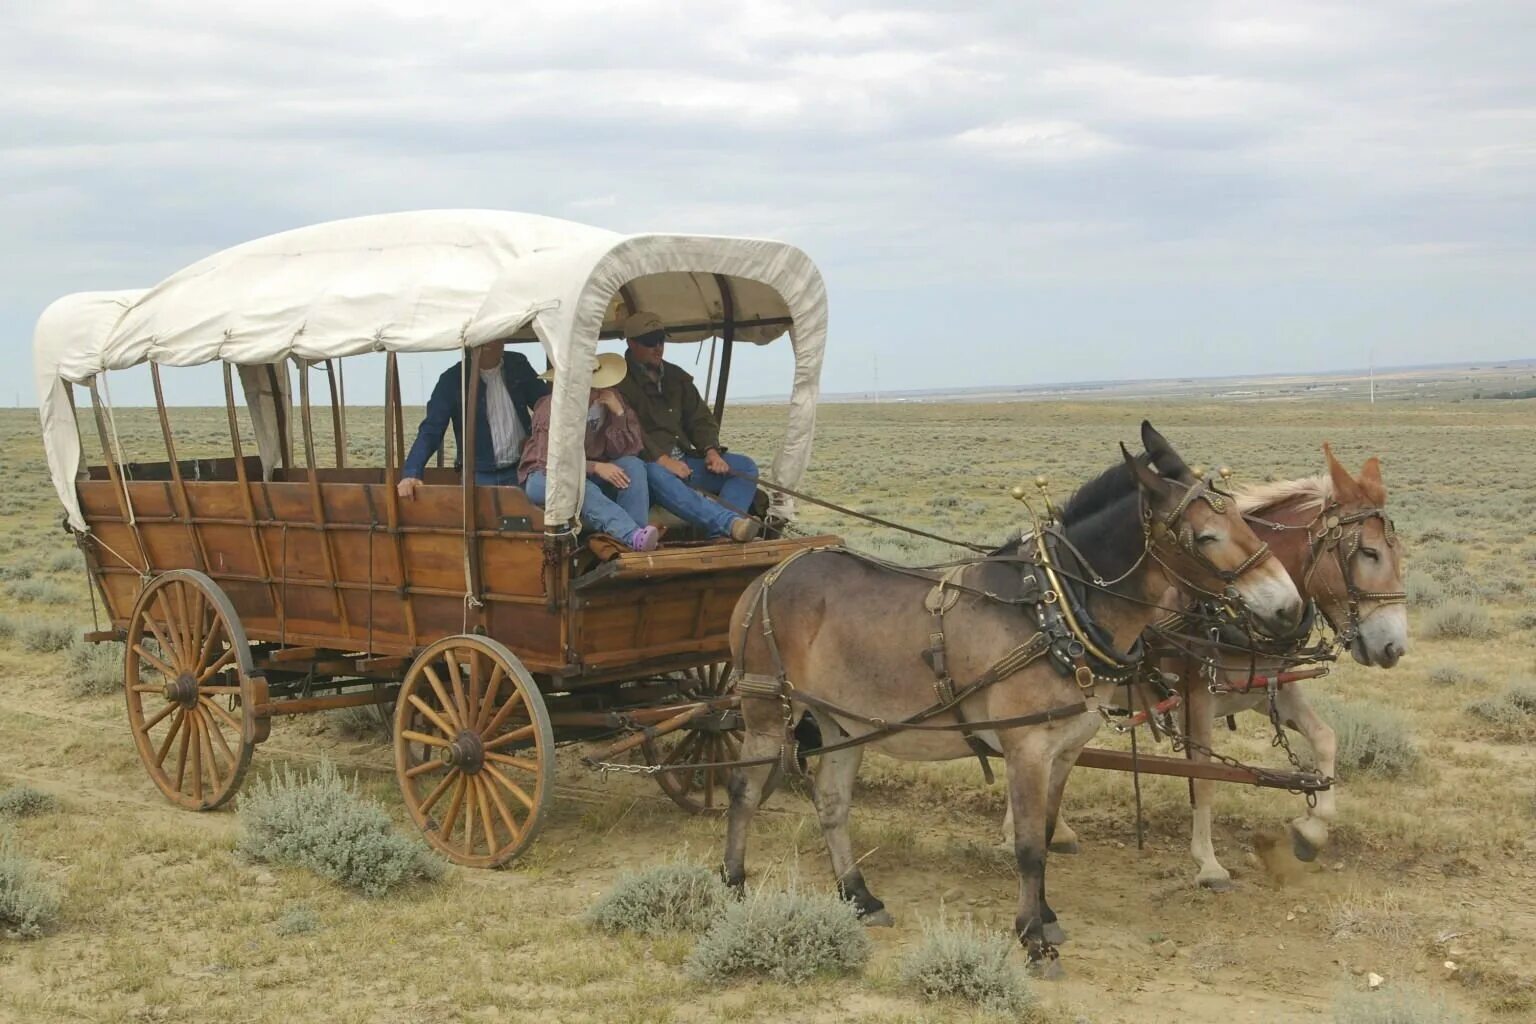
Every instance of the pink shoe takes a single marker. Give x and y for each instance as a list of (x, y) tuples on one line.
[(647, 538)]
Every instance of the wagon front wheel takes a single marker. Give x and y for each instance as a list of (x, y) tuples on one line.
[(474, 750), (195, 705), (688, 753)]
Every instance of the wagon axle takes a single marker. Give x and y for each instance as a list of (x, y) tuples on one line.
[(466, 753)]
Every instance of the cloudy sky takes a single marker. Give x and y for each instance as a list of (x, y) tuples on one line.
[(997, 192)]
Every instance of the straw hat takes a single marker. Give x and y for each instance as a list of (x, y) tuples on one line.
[(607, 370)]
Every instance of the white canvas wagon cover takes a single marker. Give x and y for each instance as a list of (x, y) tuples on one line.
[(434, 281)]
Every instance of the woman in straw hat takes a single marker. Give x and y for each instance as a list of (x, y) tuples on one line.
[(617, 500)]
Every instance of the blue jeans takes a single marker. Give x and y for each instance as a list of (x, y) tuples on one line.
[(619, 511), (505, 476), (682, 497)]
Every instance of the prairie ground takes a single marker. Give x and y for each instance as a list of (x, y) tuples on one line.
[(161, 922)]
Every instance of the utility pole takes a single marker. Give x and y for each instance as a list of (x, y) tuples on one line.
[(877, 378)]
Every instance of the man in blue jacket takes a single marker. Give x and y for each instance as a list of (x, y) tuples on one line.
[(508, 390)]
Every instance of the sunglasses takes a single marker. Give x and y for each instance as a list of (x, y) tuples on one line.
[(652, 339)]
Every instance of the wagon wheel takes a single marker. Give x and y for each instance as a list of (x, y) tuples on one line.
[(190, 686), (474, 750), (716, 739)]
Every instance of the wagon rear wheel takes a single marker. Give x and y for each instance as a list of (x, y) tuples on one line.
[(193, 700), (474, 750), (712, 740)]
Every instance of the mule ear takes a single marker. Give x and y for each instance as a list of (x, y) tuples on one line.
[(1148, 480), (1370, 482), (1168, 461), (1345, 490)]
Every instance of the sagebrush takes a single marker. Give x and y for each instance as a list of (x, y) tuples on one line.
[(1372, 739), (317, 820), (22, 801), (784, 936), (95, 669), (1392, 1006), (966, 964), (27, 903), (1459, 620), (668, 898)]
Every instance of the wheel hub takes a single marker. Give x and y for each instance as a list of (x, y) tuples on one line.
[(466, 752), (182, 690)]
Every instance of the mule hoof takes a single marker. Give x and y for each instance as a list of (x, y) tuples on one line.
[(1066, 846), (1053, 933), (878, 919), (1306, 847), (1046, 969), (1216, 883)]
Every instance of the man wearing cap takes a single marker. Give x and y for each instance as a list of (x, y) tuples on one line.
[(682, 440), (503, 418), (617, 498)]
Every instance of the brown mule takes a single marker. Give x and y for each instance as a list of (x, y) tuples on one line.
[(1352, 572), (847, 633)]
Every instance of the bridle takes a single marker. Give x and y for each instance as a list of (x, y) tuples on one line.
[(1341, 534), (1174, 530)]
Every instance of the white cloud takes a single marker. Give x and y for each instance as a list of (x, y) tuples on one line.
[(1043, 141), (918, 151)]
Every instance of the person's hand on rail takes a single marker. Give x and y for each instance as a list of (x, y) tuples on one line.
[(407, 488)]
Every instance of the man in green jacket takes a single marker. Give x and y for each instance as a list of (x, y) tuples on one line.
[(682, 450)]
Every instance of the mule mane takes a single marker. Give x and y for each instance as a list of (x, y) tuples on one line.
[(1102, 519), (1307, 494), (1103, 490)]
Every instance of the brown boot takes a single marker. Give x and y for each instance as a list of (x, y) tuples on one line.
[(745, 529)]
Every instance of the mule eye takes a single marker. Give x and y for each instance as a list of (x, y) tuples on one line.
[(1207, 538), (1371, 553)]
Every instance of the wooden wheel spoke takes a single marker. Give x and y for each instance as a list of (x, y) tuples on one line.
[(446, 828), (429, 765), (218, 734), (421, 737), (209, 761), (507, 738), (159, 716), (184, 630), (457, 677), (442, 695), (196, 613), (224, 716), (515, 762), (160, 638), (472, 708), (167, 605), (511, 786), (209, 640), (228, 691), (676, 756), (165, 744), (145, 688), (470, 801), (492, 688), (155, 663), (513, 702), (182, 751), (442, 787), (432, 716), (223, 662), (197, 757), (504, 813), (486, 824)]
